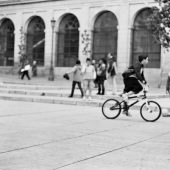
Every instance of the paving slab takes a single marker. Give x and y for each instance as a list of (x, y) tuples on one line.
[(41, 136)]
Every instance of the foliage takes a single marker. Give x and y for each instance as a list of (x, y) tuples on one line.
[(86, 42), (22, 46), (160, 22)]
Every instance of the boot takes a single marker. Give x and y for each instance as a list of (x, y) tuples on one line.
[(103, 91), (99, 91)]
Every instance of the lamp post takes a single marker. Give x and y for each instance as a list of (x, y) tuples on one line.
[(51, 72)]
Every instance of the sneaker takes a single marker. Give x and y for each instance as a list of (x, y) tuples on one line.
[(90, 99), (84, 98), (126, 112), (125, 97)]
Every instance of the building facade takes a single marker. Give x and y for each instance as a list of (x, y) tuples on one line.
[(83, 28)]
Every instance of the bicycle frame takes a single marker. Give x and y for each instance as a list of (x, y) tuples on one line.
[(141, 97)]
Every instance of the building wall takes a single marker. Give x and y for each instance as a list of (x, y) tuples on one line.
[(86, 12)]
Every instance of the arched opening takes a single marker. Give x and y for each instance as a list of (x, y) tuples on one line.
[(105, 35), (68, 41), (7, 38), (36, 40), (144, 42)]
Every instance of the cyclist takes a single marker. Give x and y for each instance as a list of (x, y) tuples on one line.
[(135, 81)]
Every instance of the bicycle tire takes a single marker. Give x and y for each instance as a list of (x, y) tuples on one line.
[(114, 105), (157, 113)]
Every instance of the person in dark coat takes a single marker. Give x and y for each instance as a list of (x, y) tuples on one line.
[(101, 74)]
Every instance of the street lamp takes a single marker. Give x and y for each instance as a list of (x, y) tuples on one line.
[(51, 72)]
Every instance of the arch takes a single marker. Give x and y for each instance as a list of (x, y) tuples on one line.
[(143, 41), (7, 38), (98, 14), (105, 35), (68, 41), (35, 40)]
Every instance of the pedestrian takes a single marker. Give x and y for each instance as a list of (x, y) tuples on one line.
[(168, 84), (89, 75), (95, 66), (34, 69), (77, 77), (101, 74), (25, 70), (112, 72)]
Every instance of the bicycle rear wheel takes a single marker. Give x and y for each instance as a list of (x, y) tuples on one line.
[(111, 109), (152, 112)]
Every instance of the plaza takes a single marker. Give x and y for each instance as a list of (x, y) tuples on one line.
[(49, 137)]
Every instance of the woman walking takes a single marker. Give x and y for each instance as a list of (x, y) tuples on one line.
[(112, 71), (77, 78), (101, 74)]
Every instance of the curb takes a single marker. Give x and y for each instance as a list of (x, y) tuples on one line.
[(58, 101)]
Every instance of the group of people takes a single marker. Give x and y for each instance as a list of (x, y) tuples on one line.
[(94, 73), (24, 71)]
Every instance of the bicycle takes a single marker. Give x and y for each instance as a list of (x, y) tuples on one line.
[(150, 110)]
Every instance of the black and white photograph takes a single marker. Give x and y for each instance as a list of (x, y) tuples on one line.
[(84, 84)]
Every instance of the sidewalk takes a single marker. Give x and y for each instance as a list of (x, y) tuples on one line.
[(62, 83)]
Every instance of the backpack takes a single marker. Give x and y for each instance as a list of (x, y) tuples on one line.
[(128, 73)]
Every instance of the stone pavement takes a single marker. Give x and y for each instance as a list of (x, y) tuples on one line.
[(41, 90), (37, 136)]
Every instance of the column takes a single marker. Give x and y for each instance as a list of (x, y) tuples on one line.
[(123, 39), (18, 25)]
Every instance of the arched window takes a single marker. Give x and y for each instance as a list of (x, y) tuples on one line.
[(144, 42), (7, 43), (36, 40), (105, 35), (68, 41)]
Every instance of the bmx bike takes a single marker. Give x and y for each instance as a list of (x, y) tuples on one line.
[(150, 111)]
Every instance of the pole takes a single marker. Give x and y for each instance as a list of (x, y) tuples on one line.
[(51, 75)]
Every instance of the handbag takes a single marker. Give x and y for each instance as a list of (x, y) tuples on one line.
[(128, 72), (66, 76)]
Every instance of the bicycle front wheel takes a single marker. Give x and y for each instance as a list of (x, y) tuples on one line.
[(111, 109), (150, 112)]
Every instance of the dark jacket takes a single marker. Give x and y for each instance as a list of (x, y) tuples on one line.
[(168, 84), (138, 71)]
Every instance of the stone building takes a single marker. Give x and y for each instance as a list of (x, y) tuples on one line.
[(83, 28)]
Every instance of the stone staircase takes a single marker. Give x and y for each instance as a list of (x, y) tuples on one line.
[(55, 95)]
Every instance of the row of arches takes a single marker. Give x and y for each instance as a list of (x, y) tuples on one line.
[(105, 37)]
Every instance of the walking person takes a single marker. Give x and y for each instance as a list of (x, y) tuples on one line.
[(25, 70), (101, 73), (112, 72), (89, 75), (77, 77)]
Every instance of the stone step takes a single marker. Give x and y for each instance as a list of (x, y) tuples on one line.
[(65, 93), (60, 100)]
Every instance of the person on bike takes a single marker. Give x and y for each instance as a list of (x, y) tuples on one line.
[(135, 81)]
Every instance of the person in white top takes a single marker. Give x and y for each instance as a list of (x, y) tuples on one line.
[(89, 75), (25, 70)]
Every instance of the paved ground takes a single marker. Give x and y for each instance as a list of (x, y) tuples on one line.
[(38, 136)]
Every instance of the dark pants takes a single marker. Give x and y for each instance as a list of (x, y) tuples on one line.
[(132, 84), (25, 73), (73, 87), (101, 88)]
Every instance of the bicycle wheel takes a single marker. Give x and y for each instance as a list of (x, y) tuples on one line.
[(111, 109), (152, 112)]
